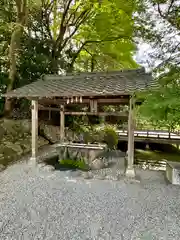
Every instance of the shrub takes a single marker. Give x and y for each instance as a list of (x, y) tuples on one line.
[(110, 137)]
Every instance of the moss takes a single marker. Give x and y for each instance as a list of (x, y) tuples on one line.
[(70, 163), (15, 139), (9, 155)]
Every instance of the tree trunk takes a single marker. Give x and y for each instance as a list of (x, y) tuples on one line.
[(21, 6), (12, 71)]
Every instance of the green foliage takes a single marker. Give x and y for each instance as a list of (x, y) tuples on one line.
[(110, 137), (3, 80), (80, 35), (73, 161), (157, 155), (161, 108), (108, 38)]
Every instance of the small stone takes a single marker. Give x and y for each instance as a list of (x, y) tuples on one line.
[(87, 175), (118, 177), (108, 177), (97, 164), (75, 173), (101, 176), (132, 180), (2, 167), (114, 178), (41, 165), (48, 168)]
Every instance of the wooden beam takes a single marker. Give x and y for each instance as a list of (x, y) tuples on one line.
[(62, 123), (40, 107), (103, 101), (34, 119), (121, 114)]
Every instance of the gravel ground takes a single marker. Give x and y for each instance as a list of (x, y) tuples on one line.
[(37, 204)]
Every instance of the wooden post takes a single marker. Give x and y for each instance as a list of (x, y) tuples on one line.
[(62, 124), (130, 161), (93, 106), (34, 119)]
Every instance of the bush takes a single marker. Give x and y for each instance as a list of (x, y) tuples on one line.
[(110, 137)]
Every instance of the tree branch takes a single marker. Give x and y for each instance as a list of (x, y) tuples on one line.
[(46, 4), (79, 21), (108, 39), (62, 25), (94, 41), (88, 52), (169, 58), (72, 15), (18, 7), (159, 10), (46, 16), (170, 6)]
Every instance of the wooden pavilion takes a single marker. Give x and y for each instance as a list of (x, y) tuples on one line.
[(92, 89)]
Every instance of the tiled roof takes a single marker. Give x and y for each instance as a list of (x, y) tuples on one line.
[(87, 84)]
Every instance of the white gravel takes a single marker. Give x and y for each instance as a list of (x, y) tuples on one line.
[(37, 204)]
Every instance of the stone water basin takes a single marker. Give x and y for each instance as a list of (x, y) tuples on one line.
[(88, 152)]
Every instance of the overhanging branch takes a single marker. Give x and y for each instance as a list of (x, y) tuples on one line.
[(79, 21), (98, 42)]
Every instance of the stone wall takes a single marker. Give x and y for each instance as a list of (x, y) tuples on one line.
[(53, 133), (15, 140)]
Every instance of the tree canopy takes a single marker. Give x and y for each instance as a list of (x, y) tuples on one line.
[(44, 36), (158, 23), (59, 36)]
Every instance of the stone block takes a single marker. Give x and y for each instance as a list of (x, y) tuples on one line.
[(173, 172)]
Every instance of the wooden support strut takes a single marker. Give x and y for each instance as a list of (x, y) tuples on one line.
[(93, 106), (34, 114), (130, 164), (62, 123)]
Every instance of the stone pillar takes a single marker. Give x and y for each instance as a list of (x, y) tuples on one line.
[(130, 158), (34, 121), (62, 124)]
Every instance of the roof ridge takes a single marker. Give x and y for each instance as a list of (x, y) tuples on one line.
[(115, 72)]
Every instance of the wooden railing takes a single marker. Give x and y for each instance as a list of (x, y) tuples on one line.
[(151, 163), (160, 134)]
